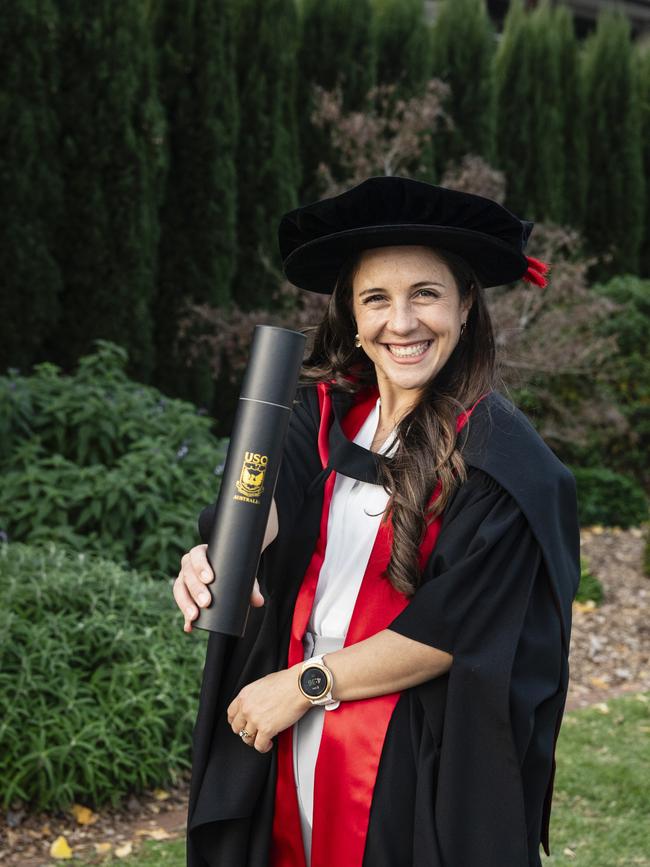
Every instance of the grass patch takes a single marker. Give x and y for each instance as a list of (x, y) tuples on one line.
[(150, 854), (601, 802), (602, 799)]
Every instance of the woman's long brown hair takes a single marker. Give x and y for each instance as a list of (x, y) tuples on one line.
[(427, 449)]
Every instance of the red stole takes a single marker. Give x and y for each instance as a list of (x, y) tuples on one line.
[(353, 734)]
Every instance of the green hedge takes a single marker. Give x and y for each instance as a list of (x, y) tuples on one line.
[(103, 464), (98, 681), (605, 497), (629, 371)]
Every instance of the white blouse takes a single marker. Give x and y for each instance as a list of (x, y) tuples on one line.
[(355, 514)]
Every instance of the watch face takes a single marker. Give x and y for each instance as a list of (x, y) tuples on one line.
[(314, 682)]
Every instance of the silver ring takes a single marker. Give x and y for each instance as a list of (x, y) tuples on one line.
[(244, 734)]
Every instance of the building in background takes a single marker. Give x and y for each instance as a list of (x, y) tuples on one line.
[(585, 13)]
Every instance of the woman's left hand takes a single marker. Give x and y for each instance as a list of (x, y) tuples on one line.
[(268, 706)]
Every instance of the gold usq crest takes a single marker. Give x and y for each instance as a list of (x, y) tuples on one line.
[(251, 479)]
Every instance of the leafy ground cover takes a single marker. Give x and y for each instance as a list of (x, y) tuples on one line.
[(98, 682), (99, 463)]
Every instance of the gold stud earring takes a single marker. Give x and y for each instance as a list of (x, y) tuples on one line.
[(357, 341)]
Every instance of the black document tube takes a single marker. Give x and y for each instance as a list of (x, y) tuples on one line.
[(249, 476)]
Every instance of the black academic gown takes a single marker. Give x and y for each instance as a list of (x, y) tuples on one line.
[(466, 772)]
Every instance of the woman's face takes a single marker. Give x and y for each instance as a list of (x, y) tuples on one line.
[(408, 313)]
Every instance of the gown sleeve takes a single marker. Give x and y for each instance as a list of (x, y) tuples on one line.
[(300, 462), (485, 557), (486, 599)]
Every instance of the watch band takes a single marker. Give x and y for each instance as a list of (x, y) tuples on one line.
[(307, 686)]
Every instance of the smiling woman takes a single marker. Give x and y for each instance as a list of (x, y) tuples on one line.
[(397, 695), (387, 300), (409, 314)]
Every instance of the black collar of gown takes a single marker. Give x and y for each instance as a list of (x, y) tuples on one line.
[(345, 456)]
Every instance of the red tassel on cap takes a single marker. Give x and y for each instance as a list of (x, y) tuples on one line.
[(536, 272)]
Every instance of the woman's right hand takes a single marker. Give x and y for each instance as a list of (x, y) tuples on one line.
[(190, 588)]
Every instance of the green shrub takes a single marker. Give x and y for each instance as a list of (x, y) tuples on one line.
[(605, 497), (590, 588), (628, 370), (98, 682), (103, 464)]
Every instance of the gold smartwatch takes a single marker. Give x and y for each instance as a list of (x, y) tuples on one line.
[(316, 683)]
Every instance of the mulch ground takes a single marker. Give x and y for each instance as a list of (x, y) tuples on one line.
[(610, 655), (610, 644)]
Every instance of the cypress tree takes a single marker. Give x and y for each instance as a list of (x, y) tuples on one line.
[(30, 180), (337, 48), (571, 100), (197, 256), (540, 129), (616, 187), (513, 88), (462, 49), (643, 66), (268, 167), (546, 181), (112, 144), (403, 45)]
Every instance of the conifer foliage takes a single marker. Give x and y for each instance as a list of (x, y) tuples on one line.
[(642, 61), (539, 122), (574, 180), (462, 48), (267, 160), (195, 44), (111, 134), (148, 150), (545, 181), (30, 181), (403, 45), (614, 219), (513, 88), (337, 49)]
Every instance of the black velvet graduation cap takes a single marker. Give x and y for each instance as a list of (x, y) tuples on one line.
[(384, 211)]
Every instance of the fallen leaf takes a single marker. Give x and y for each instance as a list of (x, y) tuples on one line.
[(125, 850), (584, 607), (157, 833), (161, 794), (103, 848), (601, 707), (60, 849), (598, 682), (569, 853), (83, 815)]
